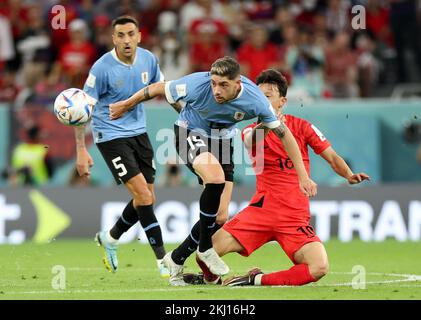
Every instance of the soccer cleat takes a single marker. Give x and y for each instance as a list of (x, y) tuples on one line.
[(199, 279), (247, 280), (109, 251), (176, 270), (215, 264), (208, 277), (163, 270), (193, 278)]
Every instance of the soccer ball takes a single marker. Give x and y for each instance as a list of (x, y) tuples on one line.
[(73, 107)]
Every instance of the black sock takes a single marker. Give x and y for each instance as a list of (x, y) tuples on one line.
[(216, 228), (209, 205), (152, 229), (127, 219), (190, 244)]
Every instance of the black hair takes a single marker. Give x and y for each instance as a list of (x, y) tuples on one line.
[(124, 20), (274, 77)]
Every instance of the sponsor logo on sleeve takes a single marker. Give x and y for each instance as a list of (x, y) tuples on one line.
[(181, 90), (90, 82)]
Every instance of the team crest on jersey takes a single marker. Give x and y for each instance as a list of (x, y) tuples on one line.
[(239, 116), (145, 77)]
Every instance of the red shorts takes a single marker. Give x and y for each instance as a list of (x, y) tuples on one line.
[(265, 220)]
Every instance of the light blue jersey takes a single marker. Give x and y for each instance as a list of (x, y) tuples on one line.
[(202, 113), (111, 80)]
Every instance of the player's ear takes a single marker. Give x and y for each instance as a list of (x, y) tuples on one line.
[(140, 37), (283, 101)]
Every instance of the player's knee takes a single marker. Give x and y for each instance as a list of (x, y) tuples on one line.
[(217, 178), (319, 270), (153, 197)]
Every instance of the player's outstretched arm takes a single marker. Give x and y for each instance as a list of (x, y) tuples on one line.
[(83, 158), (339, 165), (307, 186), (121, 107)]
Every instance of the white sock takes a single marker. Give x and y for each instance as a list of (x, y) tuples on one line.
[(158, 262), (110, 239), (258, 280)]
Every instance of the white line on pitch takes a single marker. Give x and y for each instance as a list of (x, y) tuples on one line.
[(409, 278)]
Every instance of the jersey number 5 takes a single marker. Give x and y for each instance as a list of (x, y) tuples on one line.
[(119, 166)]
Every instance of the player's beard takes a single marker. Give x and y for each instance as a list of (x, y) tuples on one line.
[(233, 96), (127, 53), (235, 93), (221, 100)]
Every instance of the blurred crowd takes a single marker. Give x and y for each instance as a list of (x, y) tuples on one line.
[(326, 48), (314, 42)]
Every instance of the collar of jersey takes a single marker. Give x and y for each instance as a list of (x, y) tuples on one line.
[(114, 54)]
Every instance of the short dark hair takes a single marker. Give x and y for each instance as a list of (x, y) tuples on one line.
[(125, 19), (226, 67), (273, 76)]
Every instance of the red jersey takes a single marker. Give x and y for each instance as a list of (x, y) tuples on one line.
[(278, 174), (209, 42), (75, 59)]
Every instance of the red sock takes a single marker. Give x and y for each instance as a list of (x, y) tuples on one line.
[(296, 276)]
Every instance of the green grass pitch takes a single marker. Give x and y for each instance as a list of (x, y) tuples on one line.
[(392, 271)]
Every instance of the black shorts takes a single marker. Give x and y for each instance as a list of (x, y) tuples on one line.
[(127, 157), (190, 144)]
